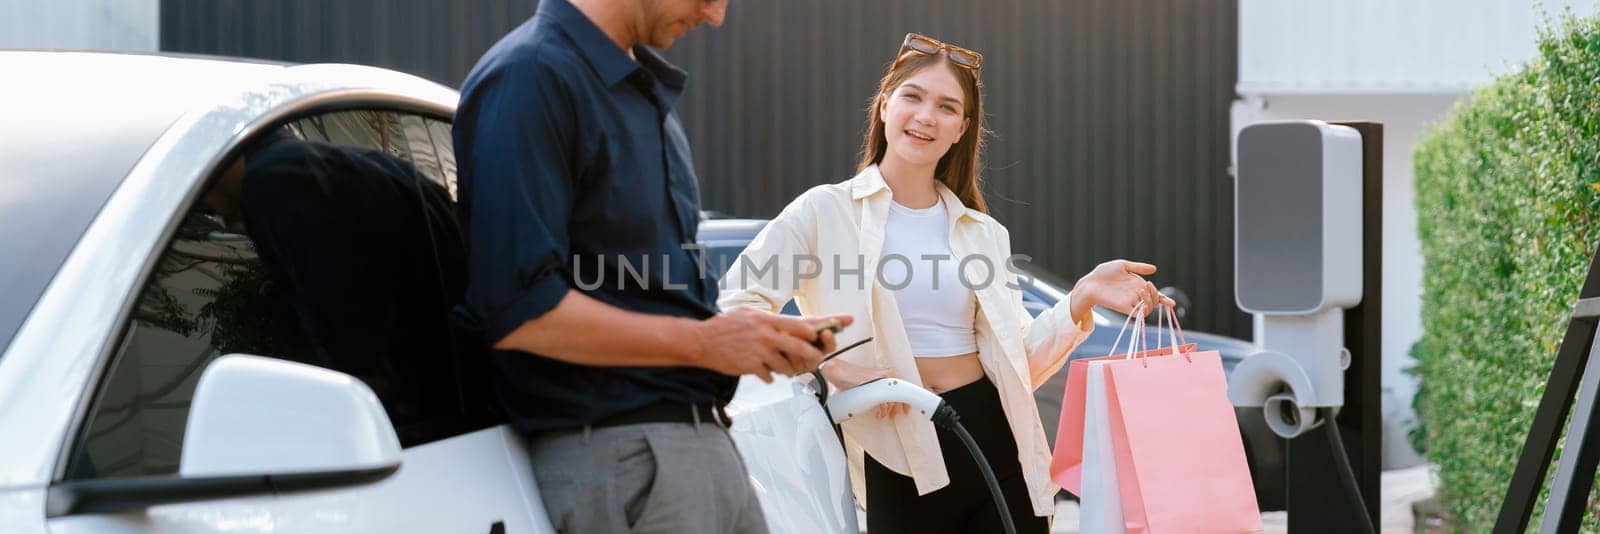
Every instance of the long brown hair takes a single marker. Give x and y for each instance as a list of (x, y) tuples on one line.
[(958, 168)]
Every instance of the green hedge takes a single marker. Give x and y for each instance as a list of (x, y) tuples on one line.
[(1508, 191)]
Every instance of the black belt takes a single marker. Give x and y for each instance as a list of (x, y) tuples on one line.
[(667, 412)]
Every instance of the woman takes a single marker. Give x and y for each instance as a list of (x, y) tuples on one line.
[(908, 245)]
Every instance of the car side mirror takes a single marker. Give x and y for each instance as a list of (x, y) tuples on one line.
[(1179, 298), (263, 416), (258, 426)]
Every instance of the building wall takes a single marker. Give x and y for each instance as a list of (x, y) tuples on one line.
[(1382, 46), (1110, 117), (1109, 120), (433, 39), (79, 24)]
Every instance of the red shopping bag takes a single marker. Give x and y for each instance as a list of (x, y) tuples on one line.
[(1066, 459), (1179, 457)]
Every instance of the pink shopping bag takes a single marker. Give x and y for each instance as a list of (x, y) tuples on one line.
[(1180, 459), (1066, 460)]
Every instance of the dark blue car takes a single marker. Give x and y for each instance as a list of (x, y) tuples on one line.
[(725, 238)]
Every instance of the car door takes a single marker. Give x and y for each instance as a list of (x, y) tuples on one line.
[(219, 289)]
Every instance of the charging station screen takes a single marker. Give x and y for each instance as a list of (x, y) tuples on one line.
[(1278, 196)]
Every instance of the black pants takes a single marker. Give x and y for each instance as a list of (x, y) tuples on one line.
[(965, 505)]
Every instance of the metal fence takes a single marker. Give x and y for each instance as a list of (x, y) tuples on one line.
[(1110, 117)]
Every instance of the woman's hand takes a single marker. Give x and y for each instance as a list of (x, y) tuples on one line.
[(1118, 285), (846, 375)]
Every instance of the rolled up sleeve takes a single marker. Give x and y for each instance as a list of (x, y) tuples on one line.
[(516, 143), (1049, 338)]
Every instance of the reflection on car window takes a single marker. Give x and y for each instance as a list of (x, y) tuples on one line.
[(330, 241)]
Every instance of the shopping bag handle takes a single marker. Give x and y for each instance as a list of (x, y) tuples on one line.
[(1131, 314), (1172, 317), (1136, 344), (1175, 335), (1161, 318)]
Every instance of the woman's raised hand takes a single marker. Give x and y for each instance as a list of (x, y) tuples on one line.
[(1118, 285)]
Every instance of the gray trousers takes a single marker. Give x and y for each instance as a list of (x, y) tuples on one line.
[(654, 477)]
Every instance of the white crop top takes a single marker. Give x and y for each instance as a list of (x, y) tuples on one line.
[(939, 311)]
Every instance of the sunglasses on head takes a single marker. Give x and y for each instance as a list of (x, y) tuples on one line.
[(929, 46)]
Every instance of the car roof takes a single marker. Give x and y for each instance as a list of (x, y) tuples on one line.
[(110, 105), (78, 122), (717, 232)]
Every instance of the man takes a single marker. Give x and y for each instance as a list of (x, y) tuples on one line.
[(580, 203)]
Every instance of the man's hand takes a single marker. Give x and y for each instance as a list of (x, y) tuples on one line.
[(585, 331), (747, 341)]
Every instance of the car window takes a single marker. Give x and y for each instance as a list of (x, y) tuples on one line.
[(331, 241)]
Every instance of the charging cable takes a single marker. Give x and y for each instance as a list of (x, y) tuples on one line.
[(1347, 475), (945, 417)]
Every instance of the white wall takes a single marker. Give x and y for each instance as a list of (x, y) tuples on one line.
[(86, 24), (1354, 46)]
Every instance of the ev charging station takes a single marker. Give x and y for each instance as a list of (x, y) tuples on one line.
[(1308, 258)]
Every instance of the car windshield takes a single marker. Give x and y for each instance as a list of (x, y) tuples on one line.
[(71, 145), (45, 208)]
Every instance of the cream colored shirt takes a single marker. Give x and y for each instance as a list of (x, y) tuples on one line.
[(823, 251)]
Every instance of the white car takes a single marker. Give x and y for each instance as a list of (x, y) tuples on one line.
[(121, 408)]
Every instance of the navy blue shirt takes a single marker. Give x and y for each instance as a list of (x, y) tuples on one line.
[(575, 174)]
